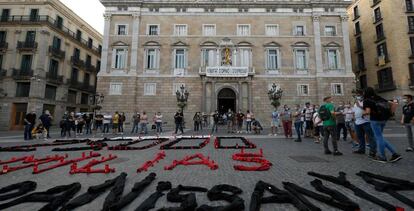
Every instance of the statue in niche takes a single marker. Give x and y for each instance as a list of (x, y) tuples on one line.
[(226, 56)]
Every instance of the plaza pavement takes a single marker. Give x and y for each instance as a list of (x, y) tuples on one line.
[(291, 162)]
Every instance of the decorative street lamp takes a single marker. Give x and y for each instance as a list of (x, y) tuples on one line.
[(275, 94), (182, 97), (95, 101)]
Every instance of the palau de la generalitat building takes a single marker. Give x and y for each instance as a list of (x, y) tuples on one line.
[(227, 54), (49, 58)]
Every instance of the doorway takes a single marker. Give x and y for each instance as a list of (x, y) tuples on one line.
[(18, 114), (226, 99)]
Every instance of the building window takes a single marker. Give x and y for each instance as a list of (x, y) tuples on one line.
[(115, 88), (245, 57), (333, 59), (382, 53), (356, 12), (303, 89), (357, 28), (243, 30), (75, 74), (272, 30), (26, 63), (50, 92), (209, 30), (5, 14), (412, 45), (330, 31), (337, 89), (411, 73), (361, 61), (22, 89), (90, 42), (150, 89), (119, 59), (72, 95), (359, 43), (78, 35), (84, 99), (34, 14), (180, 30), (152, 59), (176, 87), (30, 36), (209, 57), (409, 5), (380, 31), (385, 79), (272, 59), (363, 83), (56, 43), (299, 30), (153, 30), (410, 24), (300, 59), (86, 79), (53, 68), (59, 22), (3, 36), (377, 15), (122, 30), (179, 59)]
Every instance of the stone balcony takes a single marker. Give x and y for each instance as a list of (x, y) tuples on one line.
[(19, 74), (26, 46), (54, 78), (57, 53)]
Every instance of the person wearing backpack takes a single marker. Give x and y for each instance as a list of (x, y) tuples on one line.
[(327, 114), (407, 120), (380, 110)]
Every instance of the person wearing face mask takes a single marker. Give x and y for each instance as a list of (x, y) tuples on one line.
[(286, 117), (407, 120), (363, 129), (340, 122)]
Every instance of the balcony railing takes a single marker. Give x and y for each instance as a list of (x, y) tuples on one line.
[(3, 73), (89, 67), (74, 84), (19, 74), (3, 46), (26, 46), (77, 62), (384, 87), (226, 71), (44, 19), (54, 78), (57, 52)]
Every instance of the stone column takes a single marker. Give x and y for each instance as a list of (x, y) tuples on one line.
[(42, 52), (347, 48), (240, 103), (213, 96), (105, 45), (134, 46), (203, 97), (318, 45), (250, 95)]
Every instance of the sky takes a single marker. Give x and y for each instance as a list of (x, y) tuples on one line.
[(90, 11)]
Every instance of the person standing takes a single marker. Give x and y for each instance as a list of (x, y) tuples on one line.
[(98, 122), (340, 122), (318, 125), (230, 121), (308, 115), (239, 120), (80, 123), (216, 118), (349, 124), (297, 116), (88, 123), (115, 123), (178, 119), (286, 117), (197, 121), (143, 123), (106, 121), (249, 117), (363, 129), (380, 110), (46, 120), (135, 123), (327, 114), (158, 122), (275, 122), (29, 122), (121, 123), (71, 123), (407, 120)]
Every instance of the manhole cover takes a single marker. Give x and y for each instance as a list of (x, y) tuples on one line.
[(308, 159)]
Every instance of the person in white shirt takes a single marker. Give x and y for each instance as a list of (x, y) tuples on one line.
[(158, 122), (318, 125), (106, 121), (363, 128), (349, 120)]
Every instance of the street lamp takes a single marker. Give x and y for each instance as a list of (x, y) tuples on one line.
[(275, 94), (95, 101), (182, 97)]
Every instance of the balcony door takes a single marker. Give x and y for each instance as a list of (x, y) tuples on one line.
[(30, 36), (34, 14), (26, 64)]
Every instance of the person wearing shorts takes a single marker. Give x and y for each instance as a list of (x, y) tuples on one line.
[(274, 123)]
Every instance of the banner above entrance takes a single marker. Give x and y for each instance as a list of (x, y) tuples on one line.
[(227, 71)]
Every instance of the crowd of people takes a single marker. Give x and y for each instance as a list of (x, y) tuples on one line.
[(363, 120)]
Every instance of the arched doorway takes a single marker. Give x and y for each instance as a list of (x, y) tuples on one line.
[(226, 99)]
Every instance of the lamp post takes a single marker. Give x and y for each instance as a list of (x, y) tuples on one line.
[(95, 101), (182, 97), (275, 94)]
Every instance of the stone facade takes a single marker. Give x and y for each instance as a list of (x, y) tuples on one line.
[(35, 34), (383, 23), (239, 47)]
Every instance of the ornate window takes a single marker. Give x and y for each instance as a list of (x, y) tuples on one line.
[(301, 57), (151, 57), (119, 58), (121, 29), (272, 59)]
